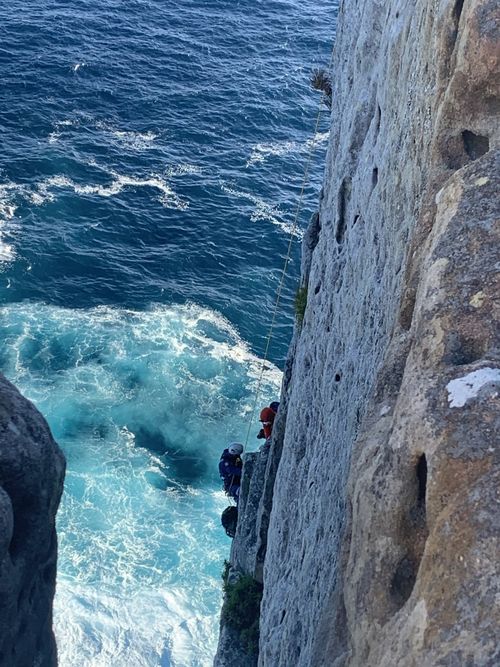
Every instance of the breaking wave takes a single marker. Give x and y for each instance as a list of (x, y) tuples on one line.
[(262, 151)]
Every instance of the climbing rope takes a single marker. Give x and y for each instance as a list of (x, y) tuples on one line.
[(293, 229)]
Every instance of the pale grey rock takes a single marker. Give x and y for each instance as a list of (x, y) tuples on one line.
[(31, 479), (244, 551), (229, 652), (415, 98)]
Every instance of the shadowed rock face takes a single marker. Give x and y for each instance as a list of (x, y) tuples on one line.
[(31, 480), (379, 491)]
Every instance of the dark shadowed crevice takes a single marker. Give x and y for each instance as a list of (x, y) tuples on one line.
[(422, 482), (475, 145), (374, 177), (414, 535), (403, 581), (344, 195), (457, 11), (378, 118), (460, 351), (456, 14), (407, 308)]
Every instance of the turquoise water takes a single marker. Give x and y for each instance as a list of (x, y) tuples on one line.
[(151, 159)]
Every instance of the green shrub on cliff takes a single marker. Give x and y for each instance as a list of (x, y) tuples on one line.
[(300, 303), (241, 608)]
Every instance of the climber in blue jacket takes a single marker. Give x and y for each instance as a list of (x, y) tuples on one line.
[(230, 466)]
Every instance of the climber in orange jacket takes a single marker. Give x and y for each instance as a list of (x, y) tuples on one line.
[(267, 417)]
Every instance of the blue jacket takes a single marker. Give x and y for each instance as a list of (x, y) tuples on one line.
[(230, 466)]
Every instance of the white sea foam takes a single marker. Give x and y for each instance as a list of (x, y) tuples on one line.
[(7, 252), (46, 191), (264, 211), (60, 127), (8, 193), (262, 151), (151, 627), (183, 169), (136, 140)]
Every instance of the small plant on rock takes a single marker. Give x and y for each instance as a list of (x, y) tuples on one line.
[(321, 80), (241, 608)]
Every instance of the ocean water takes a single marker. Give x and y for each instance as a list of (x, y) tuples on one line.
[(151, 158)]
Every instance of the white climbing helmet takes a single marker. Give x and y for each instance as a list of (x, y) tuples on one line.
[(235, 448)]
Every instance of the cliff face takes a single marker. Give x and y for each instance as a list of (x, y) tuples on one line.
[(31, 480), (373, 523)]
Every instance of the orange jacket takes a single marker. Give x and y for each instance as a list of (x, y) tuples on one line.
[(267, 418)]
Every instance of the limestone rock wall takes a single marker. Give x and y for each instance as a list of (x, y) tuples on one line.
[(402, 296), (31, 480), (378, 523)]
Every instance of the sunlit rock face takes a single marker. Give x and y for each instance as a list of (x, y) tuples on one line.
[(382, 517), (31, 479), (395, 381)]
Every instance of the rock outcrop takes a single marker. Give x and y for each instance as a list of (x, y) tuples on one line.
[(376, 523), (31, 481)]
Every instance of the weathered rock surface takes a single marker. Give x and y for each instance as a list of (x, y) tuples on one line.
[(31, 480), (381, 490), (230, 653)]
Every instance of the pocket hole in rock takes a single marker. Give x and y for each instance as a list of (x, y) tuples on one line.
[(344, 195), (475, 145), (461, 351), (403, 581)]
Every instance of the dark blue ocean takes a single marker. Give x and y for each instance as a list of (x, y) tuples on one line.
[(151, 157)]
